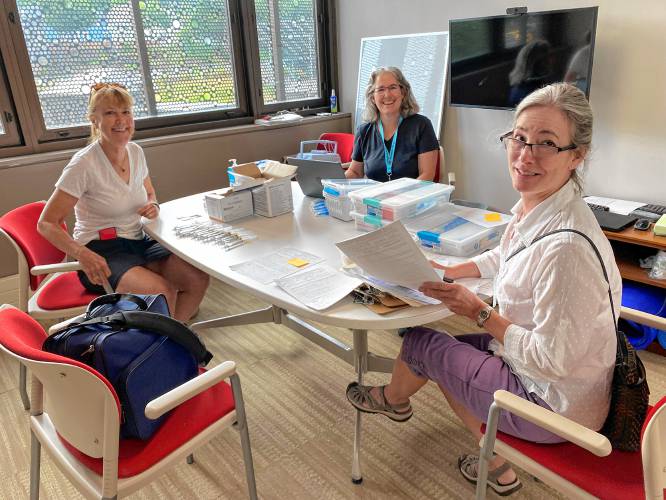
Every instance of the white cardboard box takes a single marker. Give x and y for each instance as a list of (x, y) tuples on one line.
[(227, 205), (273, 198)]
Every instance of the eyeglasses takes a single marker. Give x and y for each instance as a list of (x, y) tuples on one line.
[(539, 151), (102, 85), (391, 89)]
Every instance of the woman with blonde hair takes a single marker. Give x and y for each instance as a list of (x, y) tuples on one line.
[(108, 187), (395, 141)]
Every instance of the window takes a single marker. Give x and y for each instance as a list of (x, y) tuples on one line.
[(186, 62), (287, 35)]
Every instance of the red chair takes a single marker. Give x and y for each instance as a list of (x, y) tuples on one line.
[(81, 434), (586, 466), (59, 295), (439, 166), (345, 144)]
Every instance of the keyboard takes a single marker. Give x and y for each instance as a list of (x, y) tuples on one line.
[(642, 214), (594, 206), (655, 209)]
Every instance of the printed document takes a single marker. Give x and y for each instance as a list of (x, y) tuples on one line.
[(273, 266), (622, 207), (390, 254), (318, 287)]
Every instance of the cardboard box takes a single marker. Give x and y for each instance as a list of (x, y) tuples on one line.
[(270, 184), (273, 198), (227, 205)]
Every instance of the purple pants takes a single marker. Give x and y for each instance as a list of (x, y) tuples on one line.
[(463, 366)]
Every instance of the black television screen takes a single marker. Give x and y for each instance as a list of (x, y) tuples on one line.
[(496, 61)]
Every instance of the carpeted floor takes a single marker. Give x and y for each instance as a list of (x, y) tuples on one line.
[(300, 426)]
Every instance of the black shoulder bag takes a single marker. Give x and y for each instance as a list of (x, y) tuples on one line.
[(629, 390)]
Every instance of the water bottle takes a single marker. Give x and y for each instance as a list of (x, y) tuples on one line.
[(334, 102)]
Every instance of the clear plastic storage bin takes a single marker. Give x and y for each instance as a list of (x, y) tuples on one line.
[(400, 199), (457, 236), (367, 223), (336, 195), (343, 187), (338, 207)]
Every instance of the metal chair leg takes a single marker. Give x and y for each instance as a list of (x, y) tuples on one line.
[(35, 457), (245, 437), (23, 383)]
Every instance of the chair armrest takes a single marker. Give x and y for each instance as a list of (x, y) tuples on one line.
[(557, 424), (160, 405), (59, 326), (61, 267), (643, 318)]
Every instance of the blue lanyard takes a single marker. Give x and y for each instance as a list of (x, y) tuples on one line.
[(388, 155)]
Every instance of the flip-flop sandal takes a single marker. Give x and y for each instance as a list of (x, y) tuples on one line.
[(361, 399), (469, 468)]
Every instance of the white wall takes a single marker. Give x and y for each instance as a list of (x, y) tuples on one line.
[(628, 94)]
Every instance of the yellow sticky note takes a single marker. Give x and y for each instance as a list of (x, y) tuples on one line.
[(298, 262), (492, 217)]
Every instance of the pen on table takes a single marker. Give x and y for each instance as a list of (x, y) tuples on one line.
[(447, 280)]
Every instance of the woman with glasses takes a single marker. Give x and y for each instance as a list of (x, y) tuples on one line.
[(552, 338), (107, 186), (395, 141)]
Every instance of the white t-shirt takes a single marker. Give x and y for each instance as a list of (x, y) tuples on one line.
[(104, 199), (561, 342)]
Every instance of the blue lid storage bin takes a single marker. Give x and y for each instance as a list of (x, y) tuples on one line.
[(648, 299)]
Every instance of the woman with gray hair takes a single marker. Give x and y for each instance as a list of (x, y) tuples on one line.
[(395, 141), (552, 338)]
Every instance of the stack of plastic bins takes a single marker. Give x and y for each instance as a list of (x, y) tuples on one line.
[(395, 200), (453, 235), (336, 195)]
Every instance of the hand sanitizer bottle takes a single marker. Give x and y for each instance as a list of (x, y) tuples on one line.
[(334, 102)]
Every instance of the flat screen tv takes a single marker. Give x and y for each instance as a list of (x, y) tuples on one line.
[(496, 61)]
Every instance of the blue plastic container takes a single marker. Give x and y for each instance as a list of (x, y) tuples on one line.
[(645, 298)]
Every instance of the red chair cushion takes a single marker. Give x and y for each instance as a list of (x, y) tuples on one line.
[(345, 143), (21, 225), (182, 424), (619, 475), (63, 292), (23, 336)]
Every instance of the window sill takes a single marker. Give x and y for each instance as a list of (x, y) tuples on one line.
[(37, 158)]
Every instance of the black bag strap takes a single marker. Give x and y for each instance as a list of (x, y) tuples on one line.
[(154, 322), (114, 298), (622, 352)]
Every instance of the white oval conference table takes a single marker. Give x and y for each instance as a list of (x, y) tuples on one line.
[(304, 231)]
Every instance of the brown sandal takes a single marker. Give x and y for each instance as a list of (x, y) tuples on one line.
[(361, 399)]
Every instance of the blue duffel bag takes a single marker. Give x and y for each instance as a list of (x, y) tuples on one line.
[(133, 342)]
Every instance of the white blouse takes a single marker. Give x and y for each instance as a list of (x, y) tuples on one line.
[(104, 199), (561, 342)]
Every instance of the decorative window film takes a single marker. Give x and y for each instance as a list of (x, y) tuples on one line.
[(175, 56), (288, 50)]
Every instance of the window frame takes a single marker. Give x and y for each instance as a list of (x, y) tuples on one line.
[(8, 118), (324, 14), (23, 97)]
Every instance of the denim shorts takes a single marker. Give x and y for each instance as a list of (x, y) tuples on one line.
[(121, 255), (463, 366)]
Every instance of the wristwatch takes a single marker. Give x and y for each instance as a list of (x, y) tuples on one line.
[(483, 315)]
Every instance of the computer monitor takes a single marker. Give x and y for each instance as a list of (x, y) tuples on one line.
[(496, 61)]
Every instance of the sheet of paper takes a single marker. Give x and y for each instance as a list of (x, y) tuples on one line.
[(480, 286), (483, 218), (412, 297), (623, 207), (390, 254), (318, 287), (273, 266)]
